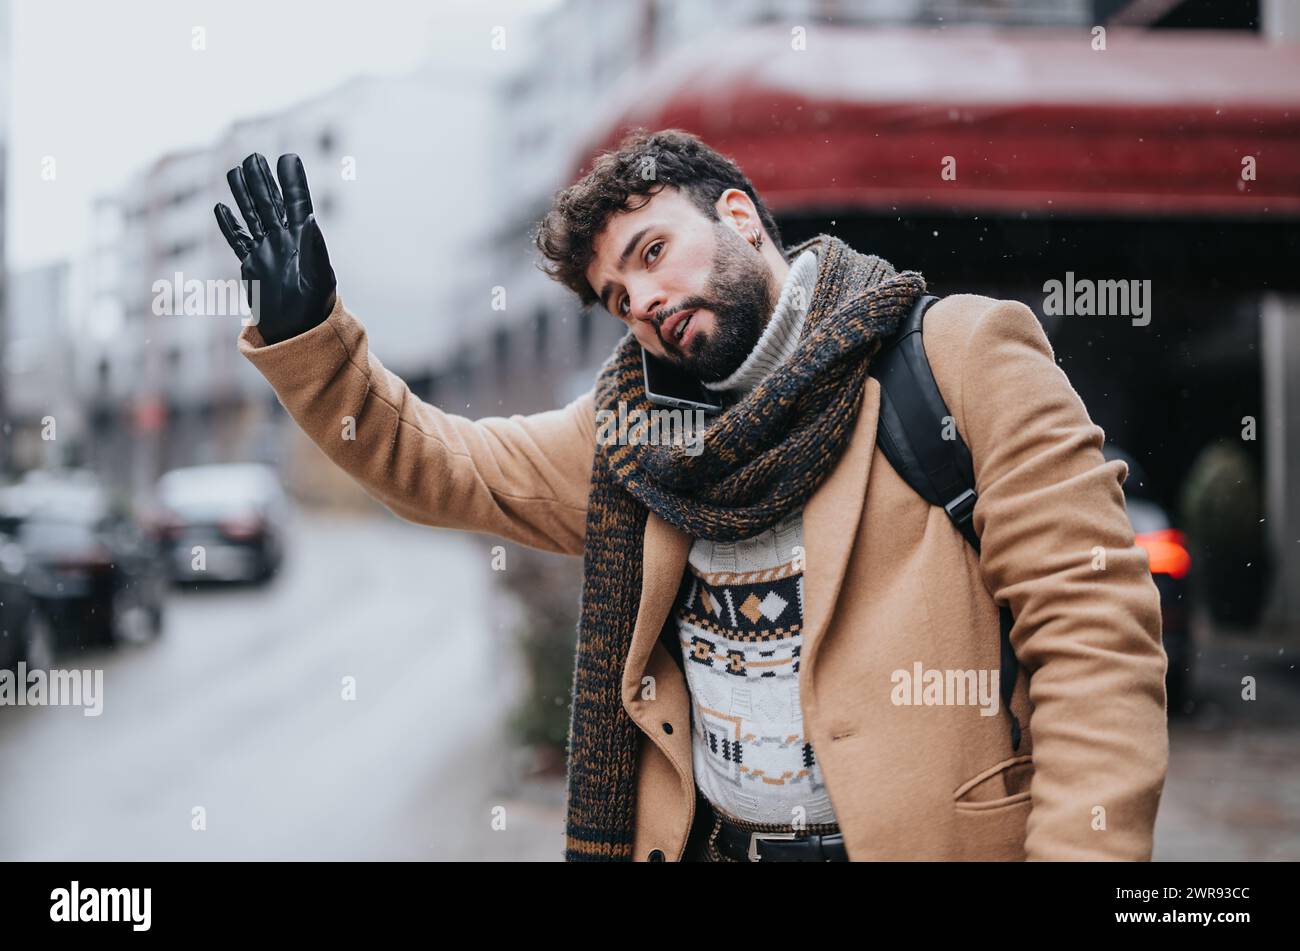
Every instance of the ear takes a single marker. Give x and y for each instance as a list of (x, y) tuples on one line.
[(736, 209)]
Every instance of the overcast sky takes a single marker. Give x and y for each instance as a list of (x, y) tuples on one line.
[(104, 88)]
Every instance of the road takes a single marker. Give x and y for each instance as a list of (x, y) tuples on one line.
[(238, 710), (1233, 789)]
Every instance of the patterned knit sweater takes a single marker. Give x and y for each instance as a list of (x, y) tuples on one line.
[(739, 619)]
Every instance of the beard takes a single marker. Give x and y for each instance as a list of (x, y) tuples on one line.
[(741, 294)]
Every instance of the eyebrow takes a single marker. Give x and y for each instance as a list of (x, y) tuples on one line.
[(622, 262)]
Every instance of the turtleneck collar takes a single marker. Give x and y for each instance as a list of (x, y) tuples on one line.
[(781, 335)]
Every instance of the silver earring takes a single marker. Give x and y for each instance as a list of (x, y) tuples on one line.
[(756, 239)]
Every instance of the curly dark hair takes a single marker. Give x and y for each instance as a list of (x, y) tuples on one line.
[(617, 182)]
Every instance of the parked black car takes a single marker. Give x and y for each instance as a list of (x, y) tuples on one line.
[(223, 522), (1170, 563), (98, 576), (26, 634)]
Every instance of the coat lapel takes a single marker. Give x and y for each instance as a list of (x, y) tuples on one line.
[(664, 553), (830, 522)]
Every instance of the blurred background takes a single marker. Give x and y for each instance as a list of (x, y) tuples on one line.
[(1165, 147)]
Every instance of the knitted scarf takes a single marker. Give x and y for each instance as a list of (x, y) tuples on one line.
[(761, 458)]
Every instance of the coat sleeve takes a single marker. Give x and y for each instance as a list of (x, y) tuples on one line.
[(1058, 546), (523, 478)]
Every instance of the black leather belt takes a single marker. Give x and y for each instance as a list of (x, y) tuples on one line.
[(743, 845)]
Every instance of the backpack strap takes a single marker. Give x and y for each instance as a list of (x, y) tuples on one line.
[(919, 437)]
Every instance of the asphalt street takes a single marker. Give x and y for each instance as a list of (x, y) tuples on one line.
[(238, 710)]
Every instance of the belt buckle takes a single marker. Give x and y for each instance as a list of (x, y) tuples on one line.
[(755, 836)]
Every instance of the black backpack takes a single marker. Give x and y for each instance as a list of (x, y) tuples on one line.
[(910, 434)]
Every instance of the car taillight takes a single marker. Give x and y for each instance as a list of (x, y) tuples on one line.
[(1166, 552), (165, 525), (97, 558), (245, 527)]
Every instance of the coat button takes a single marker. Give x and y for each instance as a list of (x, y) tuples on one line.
[(656, 855), (668, 728)]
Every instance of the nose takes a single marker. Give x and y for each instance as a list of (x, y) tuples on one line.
[(645, 304)]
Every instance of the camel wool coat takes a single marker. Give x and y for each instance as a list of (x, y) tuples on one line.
[(889, 584)]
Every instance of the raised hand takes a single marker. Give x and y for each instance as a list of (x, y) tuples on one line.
[(283, 250)]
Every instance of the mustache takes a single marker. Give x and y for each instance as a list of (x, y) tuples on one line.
[(690, 303)]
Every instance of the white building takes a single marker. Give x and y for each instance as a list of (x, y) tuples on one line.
[(386, 159), (44, 415)]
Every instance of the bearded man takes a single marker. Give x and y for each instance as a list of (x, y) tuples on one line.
[(748, 607)]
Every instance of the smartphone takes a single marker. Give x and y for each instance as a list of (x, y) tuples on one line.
[(666, 385)]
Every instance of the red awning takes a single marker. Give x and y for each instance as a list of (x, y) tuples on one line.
[(1159, 123)]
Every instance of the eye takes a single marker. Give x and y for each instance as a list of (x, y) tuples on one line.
[(620, 305), (651, 248)]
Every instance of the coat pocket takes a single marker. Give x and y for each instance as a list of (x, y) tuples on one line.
[(1002, 784)]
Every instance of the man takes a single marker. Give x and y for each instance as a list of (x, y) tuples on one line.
[(775, 629)]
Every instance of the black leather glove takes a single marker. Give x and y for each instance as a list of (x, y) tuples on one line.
[(283, 249)]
